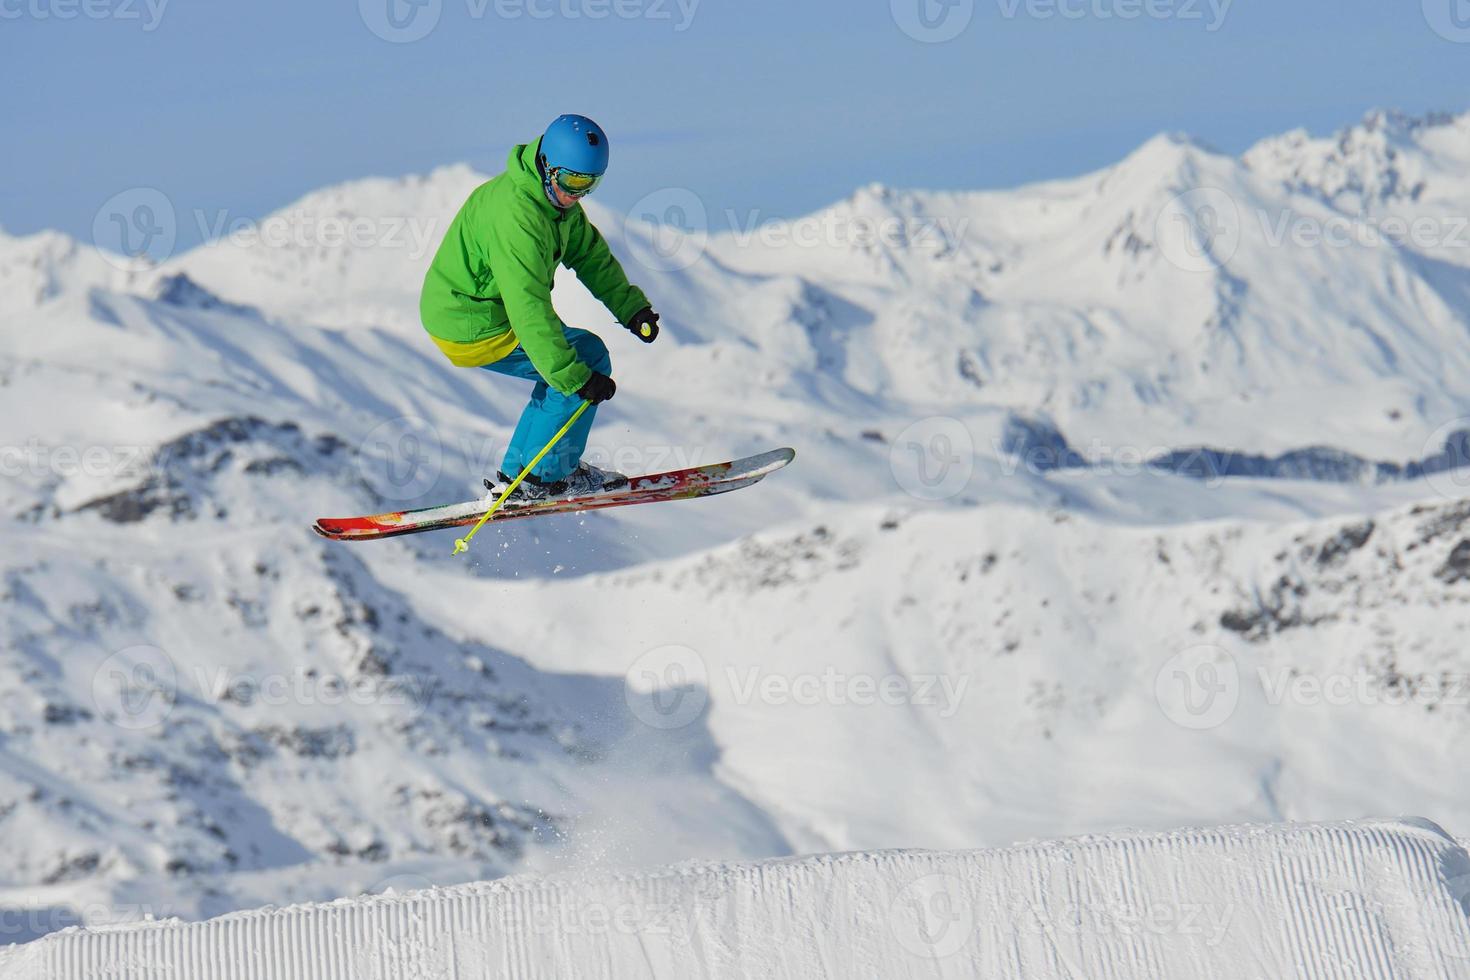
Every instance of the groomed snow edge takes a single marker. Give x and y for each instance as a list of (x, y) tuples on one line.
[(1363, 899)]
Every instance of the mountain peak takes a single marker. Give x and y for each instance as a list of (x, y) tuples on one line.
[(1395, 123), (1165, 164), (177, 289), (1389, 156), (1167, 153)]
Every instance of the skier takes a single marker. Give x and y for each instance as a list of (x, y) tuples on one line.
[(486, 301)]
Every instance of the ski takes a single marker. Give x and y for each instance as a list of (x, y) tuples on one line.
[(685, 484)]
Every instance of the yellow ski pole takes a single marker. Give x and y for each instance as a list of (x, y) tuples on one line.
[(463, 544)]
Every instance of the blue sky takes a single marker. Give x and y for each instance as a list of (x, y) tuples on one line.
[(767, 108)]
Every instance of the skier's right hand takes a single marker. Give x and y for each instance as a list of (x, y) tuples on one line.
[(599, 388)]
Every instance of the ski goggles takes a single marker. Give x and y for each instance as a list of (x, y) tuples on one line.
[(574, 184)]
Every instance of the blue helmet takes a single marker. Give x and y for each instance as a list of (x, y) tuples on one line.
[(575, 143)]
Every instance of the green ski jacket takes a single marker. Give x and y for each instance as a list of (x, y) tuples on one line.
[(489, 286)]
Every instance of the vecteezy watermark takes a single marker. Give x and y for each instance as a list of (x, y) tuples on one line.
[(678, 13), (311, 688), (1198, 688), (1343, 231), (34, 919), (933, 458), (1131, 918), (136, 688), (667, 687), (834, 229), (1446, 458), (548, 914), (1455, 871), (1362, 688), (141, 226), (932, 21), (406, 21), (1211, 13), (1074, 910), (401, 458), (638, 459), (136, 227), (1450, 19), (940, 915), (1199, 230), (1101, 457), (837, 688), (484, 454), (401, 21), (302, 228), (149, 13), (667, 230), (933, 917), (65, 460)]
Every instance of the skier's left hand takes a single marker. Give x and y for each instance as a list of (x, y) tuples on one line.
[(644, 325)]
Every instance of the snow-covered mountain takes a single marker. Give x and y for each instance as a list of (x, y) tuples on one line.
[(969, 614)]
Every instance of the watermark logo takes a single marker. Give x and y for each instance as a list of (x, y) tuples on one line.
[(401, 459), (148, 12), (1447, 451), (33, 918), (67, 461), (932, 916), (932, 21), (407, 21), (300, 228), (943, 692), (551, 915), (1450, 19), (1455, 867), (934, 458), (1200, 230), (1362, 688), (644, 458), (680, 13), (1344, 231), (667, 687), (136, 227), (837, 229), (1128, 10), (667, 230), (1073, 910), (401, 21), (412, 693), (1198, 688), (136, 688)]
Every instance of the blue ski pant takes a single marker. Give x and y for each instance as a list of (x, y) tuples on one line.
[(548, 410)]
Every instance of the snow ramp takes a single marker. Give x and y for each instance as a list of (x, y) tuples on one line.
[(1350, 900)]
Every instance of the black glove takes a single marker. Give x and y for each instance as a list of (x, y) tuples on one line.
[(644, 325), (599, 388)]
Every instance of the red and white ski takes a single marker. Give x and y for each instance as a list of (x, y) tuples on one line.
[(686, 484)]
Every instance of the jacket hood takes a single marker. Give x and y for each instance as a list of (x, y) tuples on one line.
[(521, 166)]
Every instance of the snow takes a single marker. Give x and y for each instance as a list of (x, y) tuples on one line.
[(318, 718), (1371, 899)]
